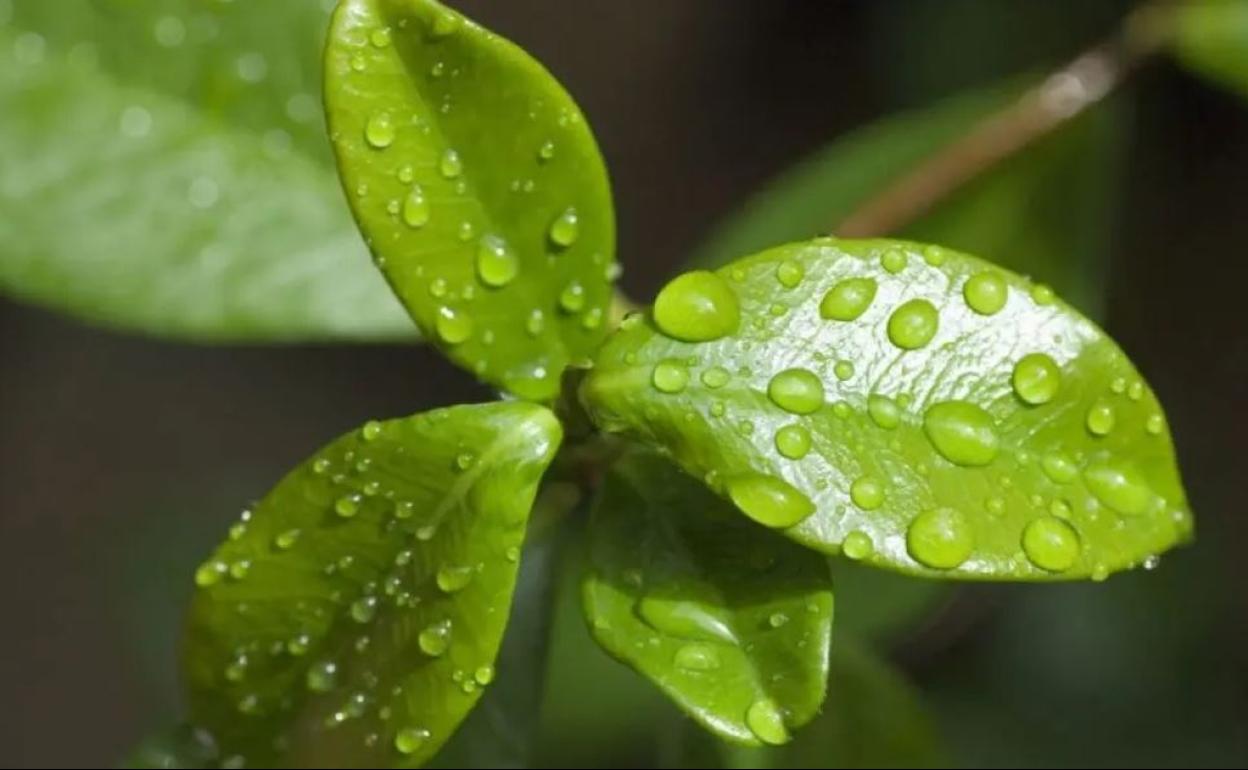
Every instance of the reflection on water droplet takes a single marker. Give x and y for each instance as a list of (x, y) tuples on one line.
[(497, 264), (1120, 487), (884, 411), (697, 307), (453, 327), (451, 579), (867, 493), (790, 273), (450, 165)]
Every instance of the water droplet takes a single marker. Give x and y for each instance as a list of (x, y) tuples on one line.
[(347, 506), (884, 411), (770, 501), (437, 288), (1135, 391), (1041, 294), (321, 466), (1100, 573), (371, 430), (454, 327), (777, 619), (435, 638), (450, 165), (249, 704), (848, 299), (934, 255), (697, 657), (380, 38), (364, 609), (452, 579), (252, 67), (793, 441), (941, 538), (995, 505), (379, 130), (686, 618), (322, 676), (287, 539), (798, 391), (894, 260), (1100, 419), (1060, 508), (513, 553), (239, 569), (697, 307), (572, 298), (716, 377), (592, 318), (409, 740), (445, 24), (1120, 487), (416, 210), (535, 323), (1155, 424), (986, 292), (437, 70), (857, 545), (298, 645), (1051, 544), (465, 460), (867, 493), (670, 376), (466, 232), (790, 273), (961, 432), (765, 721), (843, 370), (497, 265), (1059, 467), (1036, 378), (565, 229), (913, 325)]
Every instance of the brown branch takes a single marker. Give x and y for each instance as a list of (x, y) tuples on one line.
[(1060, 98)]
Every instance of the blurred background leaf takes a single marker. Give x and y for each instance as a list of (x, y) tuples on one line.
[(1212, 41), (164, 168)]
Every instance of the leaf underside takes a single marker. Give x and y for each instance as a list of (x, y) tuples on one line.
[(924, 459), (478, 185), (164, 169), (730, 620), (354, 615)]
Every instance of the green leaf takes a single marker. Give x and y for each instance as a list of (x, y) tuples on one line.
[(164, 168), (910, 407), (732, 622), (354, 615), (478, 184), (181, 746), (1211, 40), (1042, 212), (873, 718)]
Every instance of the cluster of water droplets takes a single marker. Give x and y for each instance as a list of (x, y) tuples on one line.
[(703, 307), (339, 670)]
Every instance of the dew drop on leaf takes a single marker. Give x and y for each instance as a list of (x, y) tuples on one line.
[(322, 676), (450, 166), (416, 210), (715, 377), (670, 377), (697, 657), (698, 306), (798, 391), (867, 493), (913, 325), (1036, 379), (1051, 544), (857, 545), (848, 299), (685, 618), (565, 229), (347, 506), (963, 433), (1100, 419), (985, 292), (1119, 487), (572, 298), (379, 131), (435, 638), (453, 326), (793, 441), (765, 721), (364, 609), (452, 579), (884, 411), (894, 260), (770, 501), (409, 740), (941, 538), (790, 273)]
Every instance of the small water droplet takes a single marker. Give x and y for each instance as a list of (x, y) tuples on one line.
[(843, 370), (497, 264), (894, 260), (239, 569), (790, 273), (450, 165), (1100, 419), (697, 657), (546, 152), (670, 376), (1059, 467), (1042, 295), (443, 26), (416, 210), (454, 327), (451, 579), (941, 538), (770, 501), (364, 609), (1036, 378), (322, 676), (1051, 544), (716, 377), (379, 130), (793, 441), (1155, 424), (765, 721), (964, 434), (777, 619), (371, 431), (848, 299), (210, 573), (565, 229), (380, 38), (884, 411), (1135, 391), (913, 325), (409, 740), (535, 323), (867, 493), (857, 545), (572, 298), (347, 505), (798, 391)]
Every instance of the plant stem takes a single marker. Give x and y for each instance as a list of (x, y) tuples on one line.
[(1060, 98)]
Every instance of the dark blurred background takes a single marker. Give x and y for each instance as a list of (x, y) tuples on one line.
[(122, 459)]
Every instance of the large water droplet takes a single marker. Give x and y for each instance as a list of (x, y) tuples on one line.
[(770, 501), (453, 326), (941, 538), (1120, 487), (497, 264), (409, 740), (963, 433), (793, 441), (670, 376), (884, 411), (913, 325), (1036, 378), (798, 391), (1051, 544), (867, 493), (686, 618), (379, 130), (565, 229), (986, 292), (697, 307), (766, 722), (322, 676), (848, 299), (697, 657), (451, 579), (435, 638)]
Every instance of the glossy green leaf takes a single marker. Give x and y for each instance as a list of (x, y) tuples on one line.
[(873, 718), (731, 621), (164, 168), (1041, 213), (354, 615), (1211, 39), (912, 408), (478, 184)]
